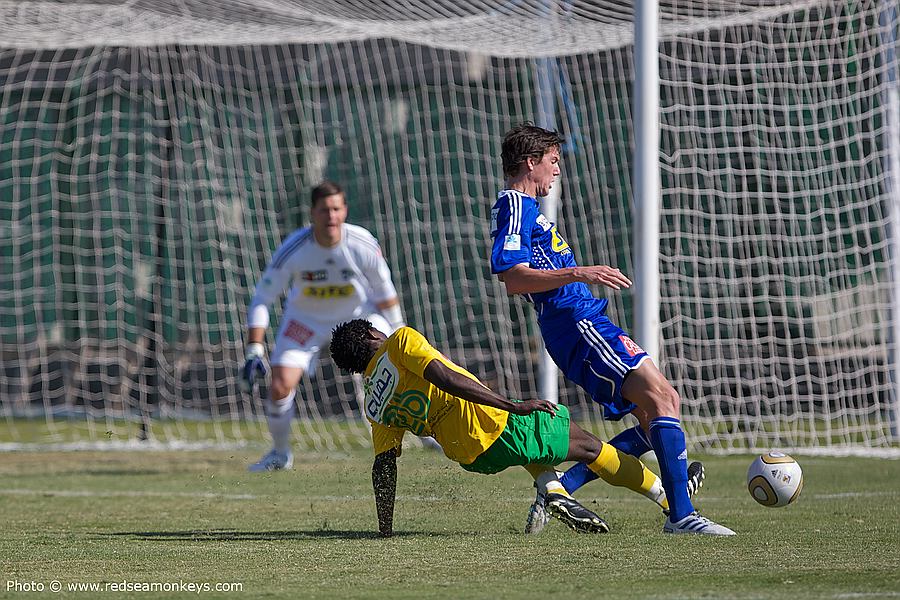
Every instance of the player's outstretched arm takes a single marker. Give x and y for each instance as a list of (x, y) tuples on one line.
[(384, 482), (522, 279), (469, 389)]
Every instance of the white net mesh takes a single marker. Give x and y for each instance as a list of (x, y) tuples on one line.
[(152, 155), (541, 27)]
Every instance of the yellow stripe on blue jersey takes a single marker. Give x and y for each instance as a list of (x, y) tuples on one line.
[(398, 398)]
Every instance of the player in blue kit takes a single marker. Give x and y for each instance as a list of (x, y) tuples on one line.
[(532, 258)]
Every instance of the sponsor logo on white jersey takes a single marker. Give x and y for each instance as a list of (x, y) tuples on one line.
[(325, 292), (379, 387), (320, 275)]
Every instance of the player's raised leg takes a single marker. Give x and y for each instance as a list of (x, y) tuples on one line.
[(614, 466), (632, 441), (579, 474)]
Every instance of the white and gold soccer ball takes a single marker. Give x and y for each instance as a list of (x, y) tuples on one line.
[(775, 479)]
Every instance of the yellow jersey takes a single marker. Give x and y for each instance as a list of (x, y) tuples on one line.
[(398, 398)]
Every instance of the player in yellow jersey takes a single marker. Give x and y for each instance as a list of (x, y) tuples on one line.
[(410, 386)]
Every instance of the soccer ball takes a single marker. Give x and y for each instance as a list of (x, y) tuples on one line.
[(774, 479)]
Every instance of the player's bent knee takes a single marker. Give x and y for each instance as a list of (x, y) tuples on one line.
[(658, 400), (666, 401), (582, 452), (282, 385), (278, 392), (583, 447), (654, 396), (281, 391)]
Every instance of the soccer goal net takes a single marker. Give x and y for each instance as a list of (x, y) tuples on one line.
[(154, 153)]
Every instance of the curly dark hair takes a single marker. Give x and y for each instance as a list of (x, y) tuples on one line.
[(526, 141), (349, 348)]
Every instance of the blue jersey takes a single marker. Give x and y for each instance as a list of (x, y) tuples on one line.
[(591, 350), (523, 236)]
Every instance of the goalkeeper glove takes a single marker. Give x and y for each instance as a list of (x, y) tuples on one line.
[(255, 365)]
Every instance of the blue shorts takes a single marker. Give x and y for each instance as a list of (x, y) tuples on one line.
[(597, 355)]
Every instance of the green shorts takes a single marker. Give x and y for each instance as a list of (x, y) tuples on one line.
[(538, 438)]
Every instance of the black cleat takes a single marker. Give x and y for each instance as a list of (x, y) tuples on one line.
[(573, 514), (696, 475)]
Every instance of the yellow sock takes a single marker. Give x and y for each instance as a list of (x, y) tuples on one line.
[(623, 470)]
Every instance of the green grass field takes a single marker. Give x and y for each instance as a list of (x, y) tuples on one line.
[(180, 517)]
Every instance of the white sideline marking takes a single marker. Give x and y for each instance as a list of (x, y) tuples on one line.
[(125, 494), (832, 451), (213, 495), (337, 498), (841, 595), (156, 445), (866, 594), (854, 495), (107, 445), (702, 499)]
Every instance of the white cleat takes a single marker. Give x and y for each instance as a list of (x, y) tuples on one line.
[(538, 517), (695, 523), (273, 461)]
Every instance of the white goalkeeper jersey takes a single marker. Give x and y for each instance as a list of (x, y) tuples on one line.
[(332, 285)]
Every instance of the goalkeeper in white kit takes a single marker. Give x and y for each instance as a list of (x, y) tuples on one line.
[(335, 272)]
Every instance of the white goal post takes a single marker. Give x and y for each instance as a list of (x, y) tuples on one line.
[(154, 153)]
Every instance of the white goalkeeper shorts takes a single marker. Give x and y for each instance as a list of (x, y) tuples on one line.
[(301, 337)]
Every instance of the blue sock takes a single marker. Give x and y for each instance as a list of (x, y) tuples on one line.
[(631, 441), (577, 476), (671, 452)]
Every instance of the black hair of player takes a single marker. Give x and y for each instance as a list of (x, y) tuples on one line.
[(350, 347), (323, 190), (526, 141)]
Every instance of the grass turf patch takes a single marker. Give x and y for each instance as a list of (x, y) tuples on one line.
[(114, 517)]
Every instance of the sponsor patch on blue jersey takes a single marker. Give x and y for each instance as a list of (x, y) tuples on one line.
[(544, 222), (512, 242)]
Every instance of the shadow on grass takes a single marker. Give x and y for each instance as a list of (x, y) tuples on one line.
[(233, 535)]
